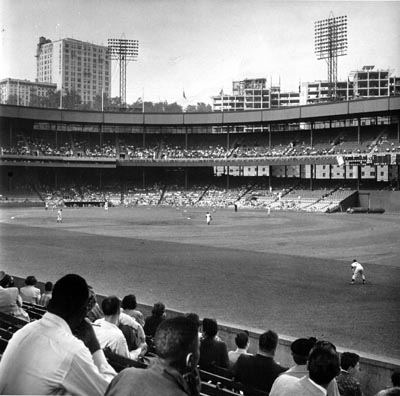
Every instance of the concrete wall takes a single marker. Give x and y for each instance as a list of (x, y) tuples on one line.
[(388, 200)]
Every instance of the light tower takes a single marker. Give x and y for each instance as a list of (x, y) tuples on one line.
[(123, 50), (331, 42)]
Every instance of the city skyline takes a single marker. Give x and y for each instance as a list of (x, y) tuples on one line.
[(200, 47)]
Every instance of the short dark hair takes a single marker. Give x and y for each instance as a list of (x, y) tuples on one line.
[(348, 359), (268, 341), (210, 327), (158, 309), (194, 317), (323, 364), (129, 302), (175, 338), (70, 294), (301, 349), (242, 339), (48, 286), (5, 282), (110, 305), (30, 280), (396, 378)]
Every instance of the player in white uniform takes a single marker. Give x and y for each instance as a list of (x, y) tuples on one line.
[(208, 218), (358, 270), (59, 216)]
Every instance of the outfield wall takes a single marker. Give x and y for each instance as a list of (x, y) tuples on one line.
[(388, 200), (375, 370)]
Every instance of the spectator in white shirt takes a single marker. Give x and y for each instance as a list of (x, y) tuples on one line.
[(29, 292), (242, 342), (45, 357)]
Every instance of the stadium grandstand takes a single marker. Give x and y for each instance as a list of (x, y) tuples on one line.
[(309, 158)]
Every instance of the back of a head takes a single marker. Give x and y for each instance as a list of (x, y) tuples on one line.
[(323, 364), (348, 360), (301, 349), (111, 305), (241, 340), (30, 280), (70, 295), (396, 378), (5, 281), (268, 341), (48, 286), (158, 309), (194, 317), (175, 338), (129, 302), (210, 327)]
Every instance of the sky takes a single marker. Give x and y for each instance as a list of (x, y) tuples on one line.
[(202, 46)]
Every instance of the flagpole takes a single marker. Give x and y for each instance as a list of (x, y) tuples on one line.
[(102, 100), (143, 100)]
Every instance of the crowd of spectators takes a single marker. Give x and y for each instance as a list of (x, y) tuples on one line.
[(64, 351)]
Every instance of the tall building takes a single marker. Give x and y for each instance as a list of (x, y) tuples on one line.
[(368, 82), (74, 66), (253, 94), (24, 91)]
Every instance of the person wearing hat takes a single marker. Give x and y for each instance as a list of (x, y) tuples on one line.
[(300, 349), (10, 300)]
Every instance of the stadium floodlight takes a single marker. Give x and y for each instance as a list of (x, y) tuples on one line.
[(123, 50), (331, 42)]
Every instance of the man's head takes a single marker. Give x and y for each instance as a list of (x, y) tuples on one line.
[(30, 281), (69, 299), (177, 342), (301, 349), (48, 287), (350, 362), (268, 342), (158, 309), (129, 302), (6, 281), (242, 340), (210, 327), (323, 364), (111, 307)]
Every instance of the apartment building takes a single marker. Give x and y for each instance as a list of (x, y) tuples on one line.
[(74, 65), (23, 91), (368, 82)]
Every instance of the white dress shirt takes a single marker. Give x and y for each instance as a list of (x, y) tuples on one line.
[(44, 358), (111, 336)]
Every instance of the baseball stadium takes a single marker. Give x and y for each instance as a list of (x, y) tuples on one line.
[(295, 195)]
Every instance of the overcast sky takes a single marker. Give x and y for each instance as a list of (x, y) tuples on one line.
[(201, 46)]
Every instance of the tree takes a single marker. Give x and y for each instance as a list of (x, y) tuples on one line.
[(201, 107)]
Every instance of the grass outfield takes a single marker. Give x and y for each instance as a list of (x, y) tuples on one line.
[(289, 272)]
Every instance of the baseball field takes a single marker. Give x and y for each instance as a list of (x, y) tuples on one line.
[(289, 272)]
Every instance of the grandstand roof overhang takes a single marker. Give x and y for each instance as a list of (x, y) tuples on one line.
[(318, 112)]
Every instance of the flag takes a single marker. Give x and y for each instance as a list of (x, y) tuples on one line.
[(184, 95), (221, 92)]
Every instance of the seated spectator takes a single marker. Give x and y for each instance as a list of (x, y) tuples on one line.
[(129, 306), (94, 310), (46, 296), (395, 389), (108, 332), (195, 318), (213, 351), (300, 349), (29, 292), (260, 370), (10, 300), (46, 357), (347, 379), (153, 321), (173, 372), (242, 342), (323, 367)]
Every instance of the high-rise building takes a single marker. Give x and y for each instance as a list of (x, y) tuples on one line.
[(22, 92), (74, 65), (368, 82)]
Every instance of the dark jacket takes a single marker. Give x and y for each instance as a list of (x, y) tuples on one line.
[(213, 353), (257, 371)]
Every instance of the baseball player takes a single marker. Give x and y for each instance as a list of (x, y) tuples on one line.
[(358, 270)]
